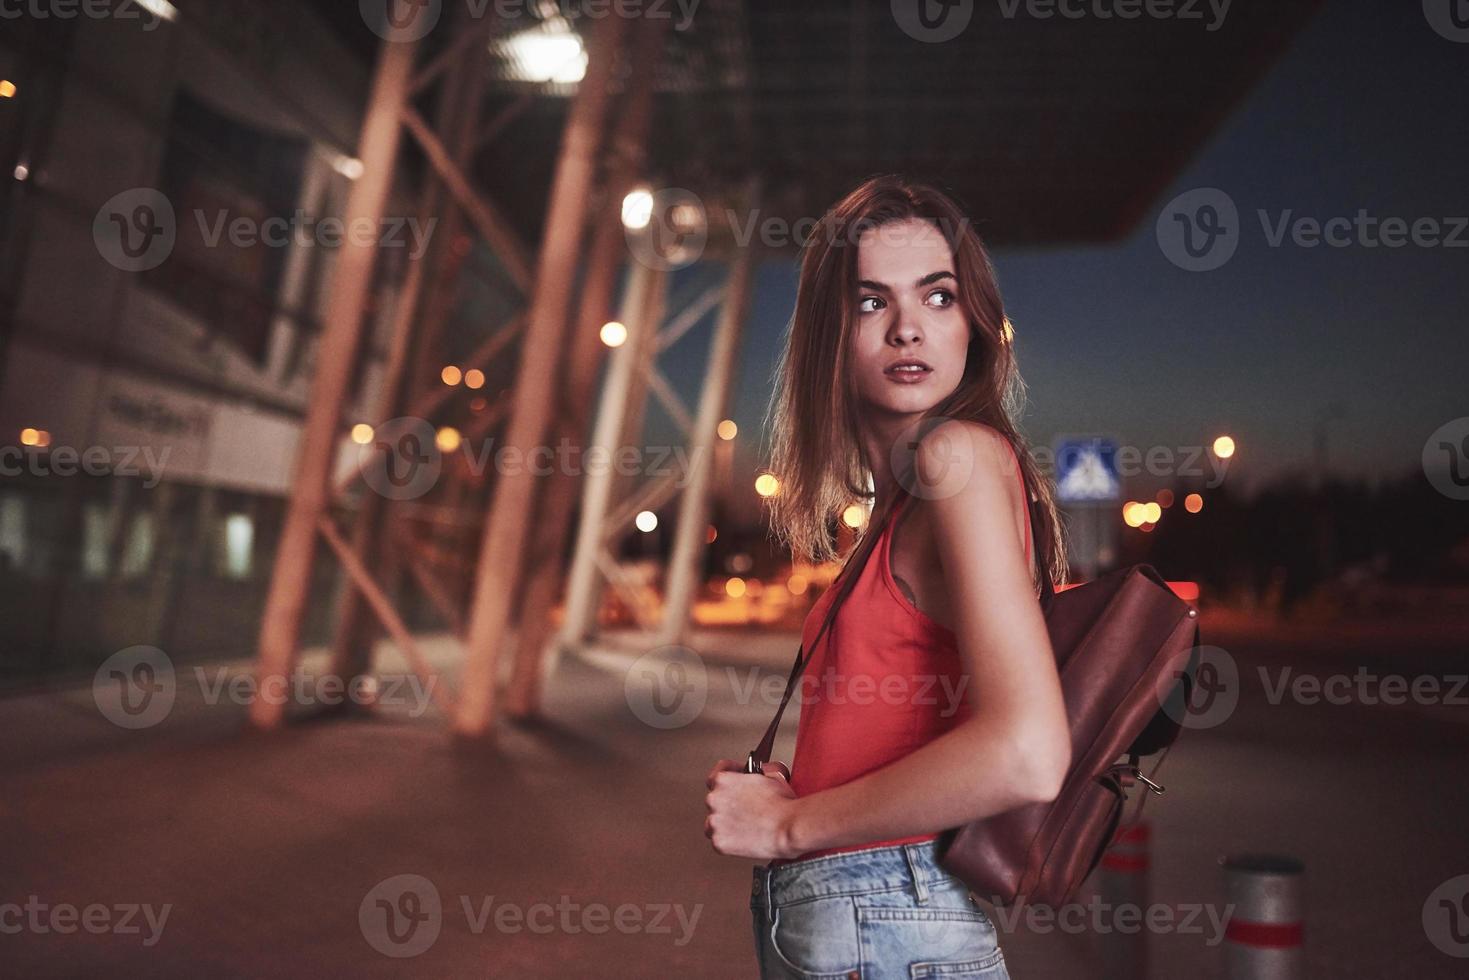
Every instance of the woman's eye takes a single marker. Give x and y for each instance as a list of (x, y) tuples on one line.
[(869, 304), (941, 298)]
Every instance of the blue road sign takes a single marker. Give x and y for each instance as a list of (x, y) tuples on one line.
[(1086, 470)]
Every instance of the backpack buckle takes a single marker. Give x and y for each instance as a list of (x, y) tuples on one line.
[(1154, 788)]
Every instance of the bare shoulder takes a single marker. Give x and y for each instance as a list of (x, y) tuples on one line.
[(967, 460)]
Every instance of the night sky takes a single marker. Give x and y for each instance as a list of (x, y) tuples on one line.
[(1367, 109)]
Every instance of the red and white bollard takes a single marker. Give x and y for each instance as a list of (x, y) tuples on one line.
[(1264, 939), (1124, 882)]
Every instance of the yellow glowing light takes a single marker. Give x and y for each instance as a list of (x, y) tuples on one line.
[(362, 433), (637, 209), (30, 437), (7, 89), (797, 584), (734, 588), (448, 439), (613, 334), (1152, 513), (1193, 503), (1224, 447), (646, 521), (1133, 514), (728, 430), (767, 485), (451, 375), (474, 378), (854, 516)]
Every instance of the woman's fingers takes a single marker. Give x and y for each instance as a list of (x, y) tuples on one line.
[(723, 765)]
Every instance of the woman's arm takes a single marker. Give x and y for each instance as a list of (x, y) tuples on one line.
[(1015, 747)]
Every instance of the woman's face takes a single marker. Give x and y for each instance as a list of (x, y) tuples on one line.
[(911, 336)]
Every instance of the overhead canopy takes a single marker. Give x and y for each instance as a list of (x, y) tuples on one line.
[(1050, 130)]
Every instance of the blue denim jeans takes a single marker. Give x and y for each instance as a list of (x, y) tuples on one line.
[(881, 913)]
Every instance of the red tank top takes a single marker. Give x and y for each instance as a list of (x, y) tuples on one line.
[(892, 682)]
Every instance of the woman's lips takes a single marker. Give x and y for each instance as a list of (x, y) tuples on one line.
[(908, 376)]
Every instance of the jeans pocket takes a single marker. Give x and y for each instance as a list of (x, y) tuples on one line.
[(816, 939), (931, 942)]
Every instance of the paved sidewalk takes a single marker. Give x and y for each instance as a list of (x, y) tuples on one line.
[(265, 849)]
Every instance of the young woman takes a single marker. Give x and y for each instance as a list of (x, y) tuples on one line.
[(933, 700)]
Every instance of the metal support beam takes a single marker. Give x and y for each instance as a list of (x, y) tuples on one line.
[(638, 314), (502, 550), (290, 583), (533, 660), (486, 217), (690, 536), (356, 629)]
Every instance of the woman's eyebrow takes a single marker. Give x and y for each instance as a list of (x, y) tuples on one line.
[(927, 280)]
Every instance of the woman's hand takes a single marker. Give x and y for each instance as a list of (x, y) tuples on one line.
[(749, 813)]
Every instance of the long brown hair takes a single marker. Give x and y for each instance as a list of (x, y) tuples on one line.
[(816, 452)]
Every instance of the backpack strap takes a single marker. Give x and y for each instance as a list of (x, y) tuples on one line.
[(844, 582)]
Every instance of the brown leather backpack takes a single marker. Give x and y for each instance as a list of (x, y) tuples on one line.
[(1127, 652)]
